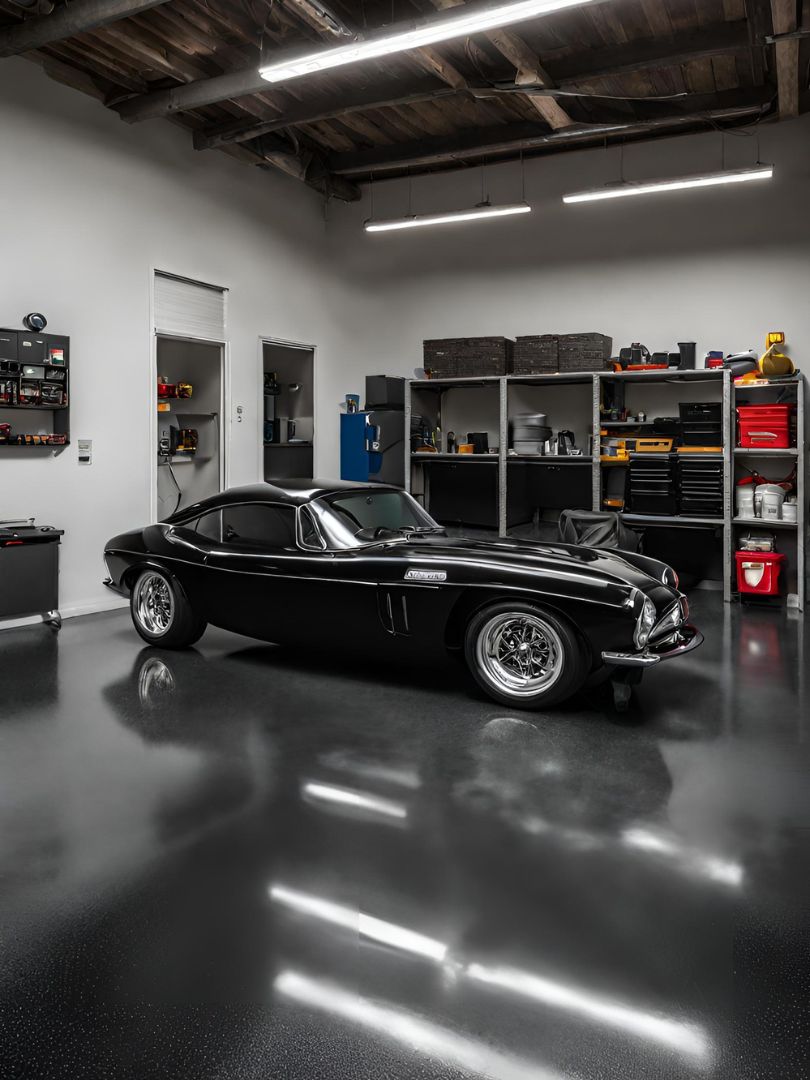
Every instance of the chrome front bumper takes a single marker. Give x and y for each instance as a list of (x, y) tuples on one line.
[(689, 636)]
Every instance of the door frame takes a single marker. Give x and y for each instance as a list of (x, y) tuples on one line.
[(225, 388), (224, 428), (269, 339)]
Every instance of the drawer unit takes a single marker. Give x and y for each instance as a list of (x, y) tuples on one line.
[(701, 487), (652, 483)]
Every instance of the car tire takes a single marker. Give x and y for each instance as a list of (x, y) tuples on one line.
[(161, 612), (523, 656)]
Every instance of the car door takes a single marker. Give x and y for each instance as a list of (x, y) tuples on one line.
[(249, 585)]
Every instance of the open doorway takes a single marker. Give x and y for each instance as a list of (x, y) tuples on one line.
[(288, 408), (190, 407)]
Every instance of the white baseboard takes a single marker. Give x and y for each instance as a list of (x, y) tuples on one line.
[(72, 611), (95, 607)]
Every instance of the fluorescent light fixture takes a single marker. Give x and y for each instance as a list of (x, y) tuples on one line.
[(624, 189), (386, 933), (472, 1056), (686, 1038), (354, 800), (460, 22), (416, 221)]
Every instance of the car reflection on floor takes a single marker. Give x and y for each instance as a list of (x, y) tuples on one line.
[(347, 785)]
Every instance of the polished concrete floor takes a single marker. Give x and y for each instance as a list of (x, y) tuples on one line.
[(240, 862)]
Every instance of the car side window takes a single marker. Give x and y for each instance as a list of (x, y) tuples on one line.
[(310, 537), (210, 525), (259, 526)]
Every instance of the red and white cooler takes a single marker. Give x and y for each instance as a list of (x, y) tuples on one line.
[(758, 572)]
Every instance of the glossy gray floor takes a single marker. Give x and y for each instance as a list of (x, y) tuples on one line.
[(242, 863)]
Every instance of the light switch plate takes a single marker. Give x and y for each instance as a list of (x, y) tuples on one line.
[(85, 451)]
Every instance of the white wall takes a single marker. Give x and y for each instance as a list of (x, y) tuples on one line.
[(718, 266), (90, 205)]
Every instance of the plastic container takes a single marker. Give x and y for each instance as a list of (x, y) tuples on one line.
[(790, 510), (760, 491), (708, 411), (772, 503), (687, 355), (766, 427), (758, 572), (745, 501)]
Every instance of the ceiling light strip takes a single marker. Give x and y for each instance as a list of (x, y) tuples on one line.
[(625, 189), (461, 22), (477, 213)]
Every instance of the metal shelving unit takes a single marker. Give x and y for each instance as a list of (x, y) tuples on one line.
[(597, 380), (795, 533)]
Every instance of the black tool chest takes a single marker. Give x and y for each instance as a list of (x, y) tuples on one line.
[(701, 486), (685, 484), (653, 484)]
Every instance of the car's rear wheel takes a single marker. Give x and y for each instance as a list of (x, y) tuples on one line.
[(161, 612), (524, 656)]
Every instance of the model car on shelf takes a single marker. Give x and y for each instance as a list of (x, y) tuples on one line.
[(339, 566)]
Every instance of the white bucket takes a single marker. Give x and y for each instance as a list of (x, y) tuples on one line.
[(772, 502), (759, 493), (745, 501)]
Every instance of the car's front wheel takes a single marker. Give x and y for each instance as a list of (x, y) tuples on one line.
[(161, 612), (523, 656)]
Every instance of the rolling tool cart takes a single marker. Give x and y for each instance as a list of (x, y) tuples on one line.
[(29, 571)]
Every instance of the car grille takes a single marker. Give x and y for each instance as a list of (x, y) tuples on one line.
[(671, 621)]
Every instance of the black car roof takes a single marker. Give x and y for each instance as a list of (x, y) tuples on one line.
[(294, 492)]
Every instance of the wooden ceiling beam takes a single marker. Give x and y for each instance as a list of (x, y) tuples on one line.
[(66, 22), (320, 18), (642, 55), (326, 107), (787, 57), (193, 95), (527, 66), (514, 138)]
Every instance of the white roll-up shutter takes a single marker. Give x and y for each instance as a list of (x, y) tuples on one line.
[(189, 308)]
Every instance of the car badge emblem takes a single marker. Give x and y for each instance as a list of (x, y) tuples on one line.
[(426, 575)]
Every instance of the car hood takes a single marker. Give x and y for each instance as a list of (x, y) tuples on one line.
[(538, 557)]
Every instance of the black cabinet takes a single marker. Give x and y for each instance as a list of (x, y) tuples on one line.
[(555, 483), (463, 492), (29, 572)]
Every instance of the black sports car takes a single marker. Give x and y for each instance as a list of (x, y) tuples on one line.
[(340, 565)]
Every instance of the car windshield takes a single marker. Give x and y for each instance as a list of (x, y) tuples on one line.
[(351, 519)]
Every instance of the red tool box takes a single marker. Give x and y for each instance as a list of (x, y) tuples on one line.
[(766, 426), (758, 572)]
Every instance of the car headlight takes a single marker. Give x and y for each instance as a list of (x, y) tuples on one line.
[(644, 623)]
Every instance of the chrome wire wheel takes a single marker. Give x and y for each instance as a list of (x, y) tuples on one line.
[(519, 653), (153, 604)]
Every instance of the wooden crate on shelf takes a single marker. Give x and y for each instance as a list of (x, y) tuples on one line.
[(468, 357), (536, 354)]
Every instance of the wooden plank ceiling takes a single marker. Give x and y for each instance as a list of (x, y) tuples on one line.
[(610, 70)]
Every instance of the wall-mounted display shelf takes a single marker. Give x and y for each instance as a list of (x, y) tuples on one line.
[(34, 391), (575, 401)]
